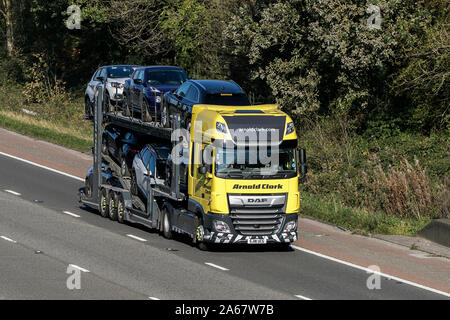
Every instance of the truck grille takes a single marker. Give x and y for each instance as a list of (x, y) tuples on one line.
[(250, 217)]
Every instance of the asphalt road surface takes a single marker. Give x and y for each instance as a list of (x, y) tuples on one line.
[(43, 230)]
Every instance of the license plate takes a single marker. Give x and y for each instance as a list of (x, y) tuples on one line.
[(256, 241)]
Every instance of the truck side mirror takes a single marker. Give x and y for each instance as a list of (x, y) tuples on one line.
[(302, 163), (302, 156)]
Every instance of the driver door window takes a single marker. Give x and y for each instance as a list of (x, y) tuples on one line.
[(192, 94), (183, 90)]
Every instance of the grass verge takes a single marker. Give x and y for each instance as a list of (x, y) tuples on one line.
[(63, 136), (357, 220)]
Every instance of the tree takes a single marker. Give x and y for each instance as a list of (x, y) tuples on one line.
[(322, 56), (7, 10)]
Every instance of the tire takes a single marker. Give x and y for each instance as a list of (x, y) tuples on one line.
[(88, 186), (125, 107), (198, 240), (133, 187), (124, 170), (166, 225), (108, 106), (145, 114), (120, 208), (112, 206), (88, 108), (165, 113), (104, 146), (103, 204)]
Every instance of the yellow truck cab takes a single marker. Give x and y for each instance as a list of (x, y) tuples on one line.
[(243, 174)]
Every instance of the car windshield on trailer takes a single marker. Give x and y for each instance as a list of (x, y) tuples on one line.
[(116, 72), (165, 77)]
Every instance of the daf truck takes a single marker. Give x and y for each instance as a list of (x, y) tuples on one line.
[(232, 176)]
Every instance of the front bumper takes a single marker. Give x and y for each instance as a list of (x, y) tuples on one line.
[(235, 237)]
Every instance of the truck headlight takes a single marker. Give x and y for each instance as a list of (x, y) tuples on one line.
[(221, 127), (290, 226), (221, 226), (290, 128)]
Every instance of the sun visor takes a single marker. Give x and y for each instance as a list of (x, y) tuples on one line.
[(252, 128)]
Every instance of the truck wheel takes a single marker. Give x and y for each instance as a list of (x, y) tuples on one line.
[(120, 208), (133, 187), (103, 204), (198, 237), (166, 225), (112, 206)]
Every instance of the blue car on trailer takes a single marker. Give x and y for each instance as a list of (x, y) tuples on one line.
[(144, 90)]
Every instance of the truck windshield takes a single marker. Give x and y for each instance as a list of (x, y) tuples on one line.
[(253, 163)]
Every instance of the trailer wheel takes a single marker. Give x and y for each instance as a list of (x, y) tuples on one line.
[(166, 225), (112, 206), (103, 203), (120, 208)]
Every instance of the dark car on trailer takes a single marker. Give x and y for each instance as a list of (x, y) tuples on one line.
[(144, 90), (192, 92), (121, 146)]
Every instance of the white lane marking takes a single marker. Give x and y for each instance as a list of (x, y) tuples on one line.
[(136, 238), (79, 268), (13, 192), (153, 298), (216, 266), (8, 239), (302, 297), (71, 214), (446, 294), (41, 166)]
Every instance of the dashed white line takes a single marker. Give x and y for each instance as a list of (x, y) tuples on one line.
[(153, 298), (8, 239), (79, 268), (71, 214), (13, 192), (41, 166), (136, 238), (446, 294), (302, 297), (216, 266)]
